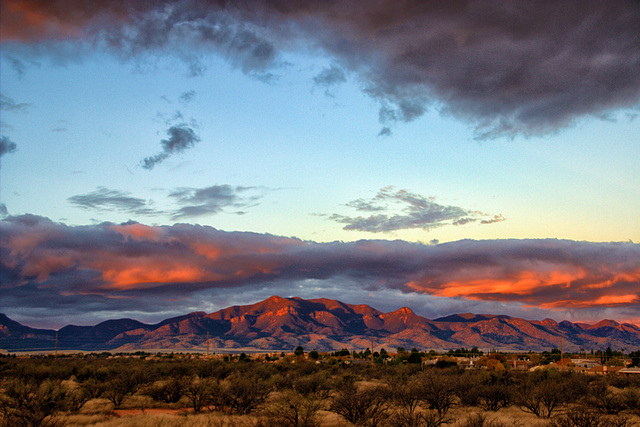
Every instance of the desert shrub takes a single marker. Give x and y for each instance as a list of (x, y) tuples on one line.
[(75, 398), (603, 399), (93, 388), (169, 391), (480, 420), (362, 406), (494, 396), (582, 417), (27, 403), (125, 383), (292, 409), (282, 381), (406, 395), (622, 381), (241, 394), (489, 390), (313, 385), (468, 387), (405, 418), (543, 393), (201, 392), (631, 397), (436, 390)]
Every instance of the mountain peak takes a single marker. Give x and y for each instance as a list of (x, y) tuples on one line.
[(325, 324), (404, 310), (606, 323)]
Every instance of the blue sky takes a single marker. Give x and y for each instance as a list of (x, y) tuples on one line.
[(331, 135)]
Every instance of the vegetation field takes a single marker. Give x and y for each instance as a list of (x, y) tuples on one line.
[(297, 390)]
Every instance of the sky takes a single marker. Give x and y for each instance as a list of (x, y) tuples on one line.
[(163, 157)]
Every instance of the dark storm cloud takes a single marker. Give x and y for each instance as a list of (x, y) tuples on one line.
[(212, 200), (8, 104), (129, 266), (104, 199), (521, 68), (416, 212), (181, 138), (7, 145)]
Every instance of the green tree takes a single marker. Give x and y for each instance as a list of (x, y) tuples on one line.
[(414, 357)]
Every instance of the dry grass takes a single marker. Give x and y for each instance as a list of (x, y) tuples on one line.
[(164, 420), (100, 413), (511, 416)]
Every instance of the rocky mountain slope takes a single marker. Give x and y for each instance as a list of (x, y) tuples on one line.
[(323, 324)]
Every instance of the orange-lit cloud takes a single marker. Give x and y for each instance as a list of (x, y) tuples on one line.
[(34, 20), (43, 261), (137, 231)]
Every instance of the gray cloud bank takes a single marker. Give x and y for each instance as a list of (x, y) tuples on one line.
[(515, 68), (131, 266)]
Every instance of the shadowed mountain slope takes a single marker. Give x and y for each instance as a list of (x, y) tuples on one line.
[(323, 324)]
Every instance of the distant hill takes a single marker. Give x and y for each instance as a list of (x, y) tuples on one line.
[(323, 324)]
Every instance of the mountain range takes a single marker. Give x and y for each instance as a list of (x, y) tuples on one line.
[(322, 324)]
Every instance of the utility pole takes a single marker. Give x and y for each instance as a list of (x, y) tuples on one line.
[(372, 349)]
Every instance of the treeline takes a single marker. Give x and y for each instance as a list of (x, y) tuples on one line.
[(39, 391)]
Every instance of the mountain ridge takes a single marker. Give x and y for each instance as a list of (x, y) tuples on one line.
[(278, 323)]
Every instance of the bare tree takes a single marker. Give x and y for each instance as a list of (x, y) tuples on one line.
[(436, 391), (241, 394), (25, 403), (544, 398), (292, 409), (362, 405), (200, 392), (605, 400)]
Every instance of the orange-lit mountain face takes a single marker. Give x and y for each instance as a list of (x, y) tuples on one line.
[(284, 323)]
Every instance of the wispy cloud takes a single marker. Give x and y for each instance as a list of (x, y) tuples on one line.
[(416, 211), (520, 69), (120, 266), (8, 104), (188, 96), (212, 200), (107, 200), (180, 138), (7, 145), (187, 202), (329, 77)]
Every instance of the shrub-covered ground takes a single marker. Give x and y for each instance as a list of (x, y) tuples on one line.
[(97, 390)]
